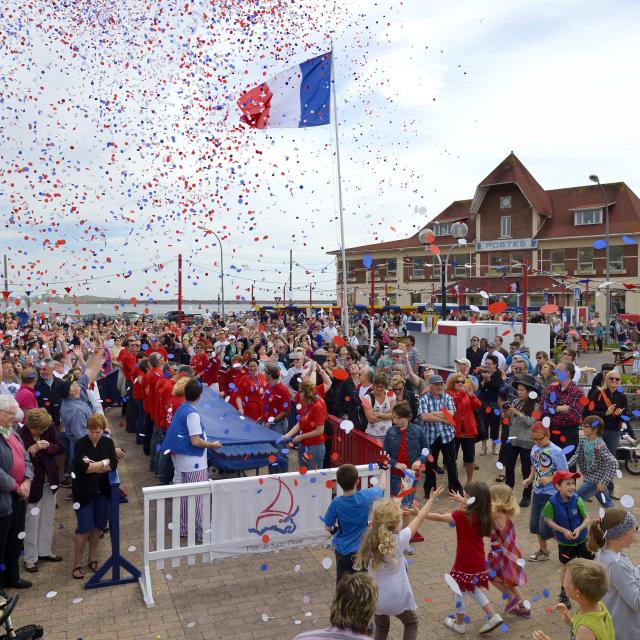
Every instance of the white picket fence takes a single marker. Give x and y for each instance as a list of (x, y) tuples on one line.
[(162, 541)]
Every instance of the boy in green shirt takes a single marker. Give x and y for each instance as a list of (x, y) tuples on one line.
[(566, 514)]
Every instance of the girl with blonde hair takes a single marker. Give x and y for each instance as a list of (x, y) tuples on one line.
[(381, 554), (506, 566)]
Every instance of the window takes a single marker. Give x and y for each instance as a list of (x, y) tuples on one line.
[(505, 202), (505, 226), (588, 216), (391, 267), (495, 265), (616, 258), (585, 259), (442, 228), (418, 269), (392, 299), (556, 261), (416, 298), (352, 265), (460, 266)]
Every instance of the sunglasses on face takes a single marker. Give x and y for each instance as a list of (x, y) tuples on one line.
[(398, 389), (612, 379)]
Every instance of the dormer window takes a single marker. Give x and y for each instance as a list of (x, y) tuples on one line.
[(587, 216), (442, 228)]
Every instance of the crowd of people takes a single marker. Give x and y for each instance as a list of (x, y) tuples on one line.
[(289, 373)]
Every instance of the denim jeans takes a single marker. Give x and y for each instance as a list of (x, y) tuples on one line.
[(588, 490), (314, 453), (612, 440), (537, 524)]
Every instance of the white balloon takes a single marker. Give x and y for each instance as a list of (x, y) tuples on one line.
[(627, 501)]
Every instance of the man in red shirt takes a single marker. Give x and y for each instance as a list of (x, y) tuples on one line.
[(159, 401), (149, 382), (26, 395), (211, 369), (156, 347), (128, 363), (276, 406)]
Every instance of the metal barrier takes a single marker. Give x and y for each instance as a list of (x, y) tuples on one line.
[(160, 516), (116, 561), (108, 387), (355, 447)]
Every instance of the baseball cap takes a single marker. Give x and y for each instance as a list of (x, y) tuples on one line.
[(436, 379), (463, 361), (563, 474), (397, 352)]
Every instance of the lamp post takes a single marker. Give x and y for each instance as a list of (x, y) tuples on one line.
[(215, 235), (594, 178), (459, 231)]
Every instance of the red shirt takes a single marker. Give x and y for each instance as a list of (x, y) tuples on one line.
[(157, 349), (128, 362), (149, 383), (138, 391), (163, 393), (251, 393), (312, 416), (26, 398), (229, 383), (276, 399), (402, 456), (198, 362), (211, 370)]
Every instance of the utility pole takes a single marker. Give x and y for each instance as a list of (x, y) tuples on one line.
[(5, 295), (180, 290), (290, 277), (525, 294)]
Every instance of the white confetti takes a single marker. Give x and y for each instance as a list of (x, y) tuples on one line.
[(347, 426), (533, 395), (73, 475), (627, 501), (170, 526), (22, 535), (265, 617), (373, 481), (35, 511), (190, 625), (471, 500), (52, 594), (77, 600), (327, 562), (297, 622), (521, 562), (297, 568), (546, 421), (76, 505), (308, 614), (306, 599), (169, 576), (526, 604), (601, 512), (53, 487), (619, 473), (131, 549), (425, 452), (499, 465)]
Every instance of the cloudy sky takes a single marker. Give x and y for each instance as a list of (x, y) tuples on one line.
[(121, 135)]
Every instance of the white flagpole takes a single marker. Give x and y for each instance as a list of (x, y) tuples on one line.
[(345, 308)]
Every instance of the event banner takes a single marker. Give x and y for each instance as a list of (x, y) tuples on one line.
[(268, 513)]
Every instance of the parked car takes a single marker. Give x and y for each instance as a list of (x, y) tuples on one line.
[(130, 316)]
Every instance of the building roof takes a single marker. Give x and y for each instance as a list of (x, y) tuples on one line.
[(557, 205), (512, 171)]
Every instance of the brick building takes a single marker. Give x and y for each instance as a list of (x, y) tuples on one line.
[(511, 217)]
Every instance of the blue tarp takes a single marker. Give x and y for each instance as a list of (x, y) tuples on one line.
[(222, 422)]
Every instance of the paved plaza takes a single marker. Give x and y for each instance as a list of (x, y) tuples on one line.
[(227, 599)]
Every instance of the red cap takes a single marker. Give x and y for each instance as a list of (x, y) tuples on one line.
[(563, 474)]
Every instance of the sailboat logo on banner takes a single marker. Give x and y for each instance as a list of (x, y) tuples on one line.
[(279, 515)]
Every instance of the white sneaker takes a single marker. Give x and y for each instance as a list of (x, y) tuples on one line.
[(454, 626), (494, 621)]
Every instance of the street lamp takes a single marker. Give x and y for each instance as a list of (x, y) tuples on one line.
[(594, 178), (459, 231), (203, 228)]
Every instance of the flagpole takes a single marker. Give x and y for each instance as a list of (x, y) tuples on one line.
[(345, 308)]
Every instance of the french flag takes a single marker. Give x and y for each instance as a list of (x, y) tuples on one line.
[(295, 98)]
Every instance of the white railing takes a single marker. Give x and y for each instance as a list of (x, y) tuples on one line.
[(162, 541)]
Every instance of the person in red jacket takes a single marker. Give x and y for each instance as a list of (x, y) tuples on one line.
[(276, 401), (251, 392), (128, 361), (466, 402), (229, 380), (199, 359), (211, 370), (149, 383)]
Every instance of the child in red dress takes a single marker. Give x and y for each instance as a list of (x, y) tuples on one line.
[(506, 565), (473, 523)]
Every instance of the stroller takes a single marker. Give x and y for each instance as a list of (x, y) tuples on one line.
[(629, 452), (28, 632)]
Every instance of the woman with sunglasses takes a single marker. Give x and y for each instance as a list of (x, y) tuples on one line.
[(609, 403), (467, 403)]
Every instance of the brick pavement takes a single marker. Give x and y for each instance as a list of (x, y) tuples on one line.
[(227, 599)]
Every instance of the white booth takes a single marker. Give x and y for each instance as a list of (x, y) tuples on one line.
[(448, 340)]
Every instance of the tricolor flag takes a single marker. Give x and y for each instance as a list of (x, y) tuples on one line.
[(295, 98)]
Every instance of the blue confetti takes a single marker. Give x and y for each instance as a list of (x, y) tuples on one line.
[(599, 244)]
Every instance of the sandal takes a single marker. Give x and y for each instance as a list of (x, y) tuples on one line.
[(78, 573), (93, 565)]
